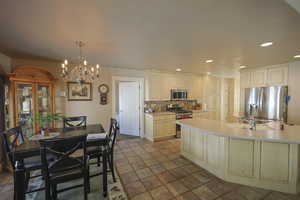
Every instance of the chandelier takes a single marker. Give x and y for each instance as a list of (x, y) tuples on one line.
[(79, 71)]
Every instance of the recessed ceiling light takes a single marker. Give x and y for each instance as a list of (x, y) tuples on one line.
[(242, 67), (208, 73), (266, 44), (178, 70), (209, 61), (297, 56)]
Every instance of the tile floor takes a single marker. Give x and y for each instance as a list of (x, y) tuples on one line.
[(156, 171)]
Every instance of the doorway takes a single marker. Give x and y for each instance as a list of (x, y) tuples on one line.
[(127, 100)]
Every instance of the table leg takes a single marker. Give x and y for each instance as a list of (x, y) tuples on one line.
[(104, 175), (19, 181)]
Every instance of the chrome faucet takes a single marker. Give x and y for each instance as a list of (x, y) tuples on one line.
[(252, 120), (252, 123)]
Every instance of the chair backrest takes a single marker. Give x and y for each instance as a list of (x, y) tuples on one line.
[(11, 139), (63, 151), (71, 123), (113, 131)]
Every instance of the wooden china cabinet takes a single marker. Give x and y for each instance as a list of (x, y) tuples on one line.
[(33, 93)]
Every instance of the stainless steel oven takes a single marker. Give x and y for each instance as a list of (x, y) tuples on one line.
[(179, 94)]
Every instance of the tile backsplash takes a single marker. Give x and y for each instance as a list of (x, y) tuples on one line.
[(161, 106)]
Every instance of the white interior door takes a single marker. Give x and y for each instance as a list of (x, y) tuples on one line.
[(129, 108)]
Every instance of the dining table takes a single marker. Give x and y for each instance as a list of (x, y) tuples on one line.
[(31, 147)]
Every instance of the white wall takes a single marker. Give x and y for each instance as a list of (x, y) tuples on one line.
[(5, 62)]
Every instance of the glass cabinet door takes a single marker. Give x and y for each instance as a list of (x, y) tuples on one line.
[(44, 99), (24, 105)]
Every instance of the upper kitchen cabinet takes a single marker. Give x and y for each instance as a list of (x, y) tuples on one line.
[(245, 79), (258, 78), (155, 87), (278, 75), (268, 76), (159, 84)]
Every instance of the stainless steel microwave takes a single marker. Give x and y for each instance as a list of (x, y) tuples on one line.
[(179, 94)]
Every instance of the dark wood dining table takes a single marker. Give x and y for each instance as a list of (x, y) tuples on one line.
[(32, 148)]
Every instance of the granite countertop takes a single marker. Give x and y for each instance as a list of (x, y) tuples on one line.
[(161, 113), (197, 111), (266, 132)]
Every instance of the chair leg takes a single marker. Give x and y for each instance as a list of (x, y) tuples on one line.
[(111, 166), (27, 177), (47, 191), (88, 184), (54, 191), (98, 161)]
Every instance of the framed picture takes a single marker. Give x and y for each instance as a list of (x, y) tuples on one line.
[(79, 92)]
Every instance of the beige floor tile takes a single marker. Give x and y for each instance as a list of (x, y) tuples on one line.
[(169, 165), (129, 177), (191, 182), (161, 193), (143, 196), (166, 177), (124, 169), (188, 196), (134, 188), (143, 173), (177, 188), (156, 169), (178, 172), (151, 182), (204, 193)]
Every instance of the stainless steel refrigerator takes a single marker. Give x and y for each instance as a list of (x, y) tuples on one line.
[(267, 102)]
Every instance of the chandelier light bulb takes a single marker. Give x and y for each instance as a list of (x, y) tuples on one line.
[(92, 69), (85, 62), (66, 62), (63, 66), (97, 66)]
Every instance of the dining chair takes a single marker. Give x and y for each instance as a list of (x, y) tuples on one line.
[(97, 153), (67, 165), (12, 138), (72, 123)]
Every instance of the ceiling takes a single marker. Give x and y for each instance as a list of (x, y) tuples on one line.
[(156, 34)]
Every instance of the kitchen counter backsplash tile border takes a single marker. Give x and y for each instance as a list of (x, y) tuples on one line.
[(161, 106)]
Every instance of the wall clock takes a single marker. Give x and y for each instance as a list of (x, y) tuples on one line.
[(103, 90)]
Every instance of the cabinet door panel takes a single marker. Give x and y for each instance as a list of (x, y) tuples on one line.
[(258, 78), (213, 150), (277, 76), (274, 161), (186, 139), (241, 157), (245, 79), (197, 144), (25, 106)]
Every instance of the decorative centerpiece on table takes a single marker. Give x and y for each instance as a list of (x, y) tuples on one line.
[(45, 121)]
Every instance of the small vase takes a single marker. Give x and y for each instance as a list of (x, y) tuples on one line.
[(45, 132), (42, 132)]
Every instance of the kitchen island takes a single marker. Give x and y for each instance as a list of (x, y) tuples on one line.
[(266, 158)]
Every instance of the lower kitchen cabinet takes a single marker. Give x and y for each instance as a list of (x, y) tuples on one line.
[(268, 165), (160, 126)]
